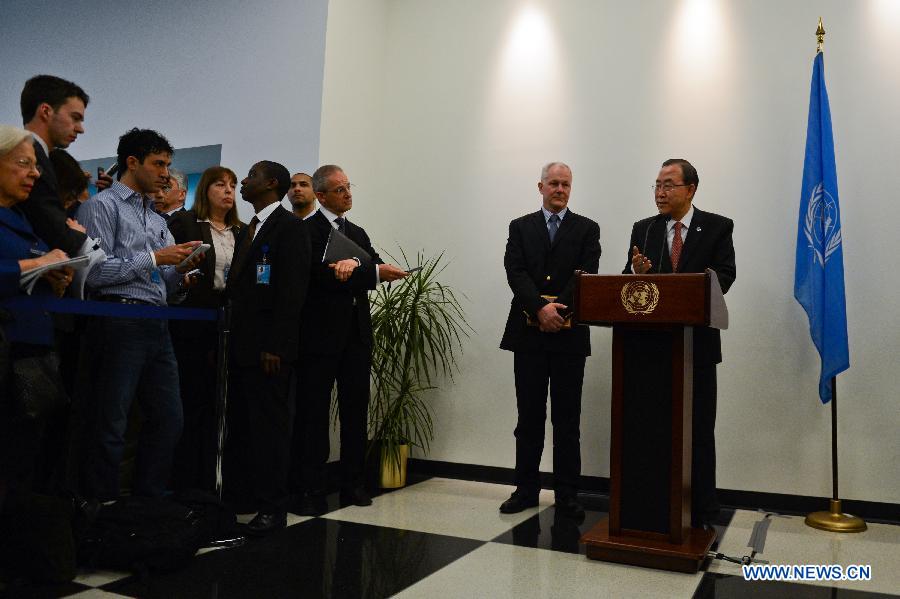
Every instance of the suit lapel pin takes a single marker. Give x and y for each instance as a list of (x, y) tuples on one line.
[(698, 229)]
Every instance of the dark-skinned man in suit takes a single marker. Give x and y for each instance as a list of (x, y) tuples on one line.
[(683, 238), (336, 345), (543, 251), (266, 284)]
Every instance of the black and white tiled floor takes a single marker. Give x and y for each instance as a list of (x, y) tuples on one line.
[(445, 538)]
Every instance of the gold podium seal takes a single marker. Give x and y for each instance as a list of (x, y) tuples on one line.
[(640, 297)]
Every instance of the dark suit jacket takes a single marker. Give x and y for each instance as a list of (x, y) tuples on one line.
[(708, 245), (44, 209), (329, 305), (184, 227), (534, 268), (266, 318), (167, 217)]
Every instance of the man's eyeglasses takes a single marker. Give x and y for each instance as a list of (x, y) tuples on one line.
[(343, 189), (666, 187)]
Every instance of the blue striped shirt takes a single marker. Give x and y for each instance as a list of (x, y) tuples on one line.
[(129, 231)]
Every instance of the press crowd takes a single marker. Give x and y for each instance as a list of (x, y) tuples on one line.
[(96, 406)]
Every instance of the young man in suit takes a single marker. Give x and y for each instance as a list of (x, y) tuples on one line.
[(336, 345), (302, 196), (543, 251), (53, 110), (683, 238), (267, 283)]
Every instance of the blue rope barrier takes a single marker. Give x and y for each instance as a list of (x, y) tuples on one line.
[(109, 309)]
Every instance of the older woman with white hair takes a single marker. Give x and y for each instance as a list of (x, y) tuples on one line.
[(20, 249), (28, 389)]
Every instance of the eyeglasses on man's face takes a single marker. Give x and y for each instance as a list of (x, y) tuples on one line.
[(342, 190), (666, 187)]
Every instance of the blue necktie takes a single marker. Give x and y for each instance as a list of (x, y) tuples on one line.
[(553, 226), (339, 221)]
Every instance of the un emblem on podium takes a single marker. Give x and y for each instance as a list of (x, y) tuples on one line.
[(640, 297)]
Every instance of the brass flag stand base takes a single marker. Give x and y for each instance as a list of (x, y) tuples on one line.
[(835, 520)]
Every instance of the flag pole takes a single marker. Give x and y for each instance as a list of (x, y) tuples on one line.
[(833, 520)]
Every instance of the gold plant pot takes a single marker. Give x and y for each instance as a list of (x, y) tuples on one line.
[(393, 477)]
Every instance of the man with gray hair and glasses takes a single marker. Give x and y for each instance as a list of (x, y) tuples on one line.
[(336, 347), (171, 197)]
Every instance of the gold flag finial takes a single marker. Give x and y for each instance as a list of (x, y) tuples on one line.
[(820, 36)]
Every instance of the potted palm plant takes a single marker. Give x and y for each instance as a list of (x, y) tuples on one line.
[(417, 325)]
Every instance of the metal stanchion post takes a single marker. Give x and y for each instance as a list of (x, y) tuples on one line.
[(222, 390)]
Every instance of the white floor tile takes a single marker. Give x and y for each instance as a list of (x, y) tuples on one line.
[(498, 571), (244, 518), (295, 519), (98, 578), (96, 594), (734, 542), (791, 542), (443, 506)]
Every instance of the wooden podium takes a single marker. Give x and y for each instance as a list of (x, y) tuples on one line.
[(653, 318)]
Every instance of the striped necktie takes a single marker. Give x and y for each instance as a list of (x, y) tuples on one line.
[(677, 244), (553, 226)]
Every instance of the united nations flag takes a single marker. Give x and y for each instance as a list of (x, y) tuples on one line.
[(819, 273)]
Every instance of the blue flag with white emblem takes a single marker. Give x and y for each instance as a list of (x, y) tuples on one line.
[(819, 273)]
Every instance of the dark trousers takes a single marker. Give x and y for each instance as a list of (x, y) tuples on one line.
[(260, 417), (134, 360), (704, 504), (318, 374), (564, 373), (195, 346)]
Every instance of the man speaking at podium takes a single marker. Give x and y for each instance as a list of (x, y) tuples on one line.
[(682, 238), (543, 251)]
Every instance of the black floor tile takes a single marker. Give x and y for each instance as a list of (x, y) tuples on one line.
[(549, 530), (333, 500), (316, 558), (16, 591), (724, 586)]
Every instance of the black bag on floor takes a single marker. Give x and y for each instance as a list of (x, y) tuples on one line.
[(217, 521), (142, 534)]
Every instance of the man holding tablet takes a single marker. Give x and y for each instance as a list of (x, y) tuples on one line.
[(133, 356)]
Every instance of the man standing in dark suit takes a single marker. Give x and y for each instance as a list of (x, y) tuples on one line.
[(53, 110), (336, 345), (682, 238), (543, 251), (266, 284)]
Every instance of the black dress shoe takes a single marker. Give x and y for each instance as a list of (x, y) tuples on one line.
[(518, 502), (309, 504), (355, 496), (568, 506), (265, 522)]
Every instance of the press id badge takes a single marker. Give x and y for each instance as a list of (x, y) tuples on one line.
[(263, 273)]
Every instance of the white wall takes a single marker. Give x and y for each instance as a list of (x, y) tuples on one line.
[(443, 112), (244, 75)]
